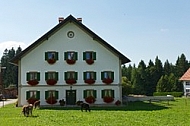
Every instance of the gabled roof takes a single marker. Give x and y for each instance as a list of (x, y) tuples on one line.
[(70, 18), (186, 76)]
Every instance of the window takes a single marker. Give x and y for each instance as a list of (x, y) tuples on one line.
[(187, 90), (187, 83), (32, 96), (107, 76), (90, 96), (33, 76), (70, 57), (51, 96), (51, 78), (108, 93), (89, 77), (89, 56), (51, 57), (71, 77)]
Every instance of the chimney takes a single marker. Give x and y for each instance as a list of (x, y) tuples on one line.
[(79, 19), (61, 19)]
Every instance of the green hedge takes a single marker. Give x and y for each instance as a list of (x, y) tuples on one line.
[(175, 94)]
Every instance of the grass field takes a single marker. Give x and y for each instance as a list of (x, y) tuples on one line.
[(177, 113)]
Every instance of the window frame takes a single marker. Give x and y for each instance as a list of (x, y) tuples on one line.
[(92, 55), (33, 76), (53, 73), (51, 55), (108, 93), (68, 75)]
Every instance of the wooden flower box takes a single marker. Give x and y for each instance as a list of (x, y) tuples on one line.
[(90, 99), (70, 81), (118, 102), (51, 100), (32, 100), (51, 81), (89, 61), (89, 81), (108, 99), (33, 82), (70, 61), (51, 61), (107, 81)]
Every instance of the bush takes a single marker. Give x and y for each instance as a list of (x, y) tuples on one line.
[(175, 94)]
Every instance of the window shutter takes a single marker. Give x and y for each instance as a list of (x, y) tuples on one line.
[(76, 56), (94, 75), (46, 75), (46, 55), (38, 94), (84, 75), (56, 76), (102, 75), (103, 93), (94, 55), (65, 75), (112, 93), (112, 75), (38, 76), (84, 93), (76, 76), (46, 94), (56, 56), (94, 93), (65, 56), (84, 55), (27, 95), (27, 76), (56, 94)]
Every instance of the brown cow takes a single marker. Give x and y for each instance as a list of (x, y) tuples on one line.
[(27, 110)]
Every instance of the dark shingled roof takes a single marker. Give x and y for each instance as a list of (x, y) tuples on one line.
[(70, 18)]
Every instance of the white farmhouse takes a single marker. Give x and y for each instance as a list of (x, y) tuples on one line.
[(69, 62), (186, 82)]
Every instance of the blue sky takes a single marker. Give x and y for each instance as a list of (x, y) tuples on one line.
[(140, 29)]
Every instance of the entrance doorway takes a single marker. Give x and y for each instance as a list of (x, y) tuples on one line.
[(71, 97)]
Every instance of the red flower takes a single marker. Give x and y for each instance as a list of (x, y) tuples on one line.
[(51, 100), (89, 61), (33, 82), (70, 81), (107, 81), (108, 99), (51, 61), (89, 81), (32, 100), (90, 99), (118, 102), (51, 81), (70, 61)]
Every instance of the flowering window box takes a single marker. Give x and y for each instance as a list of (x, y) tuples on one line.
[(32, 100), (89, 61), (51, 100), (108, 99), (107, 81), (51, 61), (89, 81), (51, 81), (90, 99), (33, 82), (70, 61), (118, 102), (70, 81)]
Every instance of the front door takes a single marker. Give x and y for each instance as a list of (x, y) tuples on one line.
[(71, 97)]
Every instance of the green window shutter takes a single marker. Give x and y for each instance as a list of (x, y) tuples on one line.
[(84, 55), (46, 75), (27, 95), (76, 56), (94, 55), (94, 93), (84, 93), (46, 94), (84, 75), (56, 56), (76, 76), (65, 75), (102, 75), (94, 75), (38, 76), (56, 76), (46, 55), (112, 75), (112, 93), (27, 76), (56, 94), (103, 93), (38, 94), (65, 56)]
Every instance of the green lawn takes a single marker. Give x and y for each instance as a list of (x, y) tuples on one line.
[(177, 113)]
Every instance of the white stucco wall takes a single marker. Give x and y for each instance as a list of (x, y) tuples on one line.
[(59, 42)]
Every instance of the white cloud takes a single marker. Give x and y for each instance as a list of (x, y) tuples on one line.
[(164, 30), (9, 44)]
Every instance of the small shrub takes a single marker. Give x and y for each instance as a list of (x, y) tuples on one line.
[(175, 94)]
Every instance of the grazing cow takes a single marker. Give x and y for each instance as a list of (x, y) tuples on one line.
[(37, 104), (27, 110), (85, 106)]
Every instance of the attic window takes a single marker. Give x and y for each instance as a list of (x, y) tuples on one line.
[(89, 56), (51, 57)]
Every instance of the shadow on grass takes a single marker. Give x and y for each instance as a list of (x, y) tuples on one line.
[(132, 106)]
